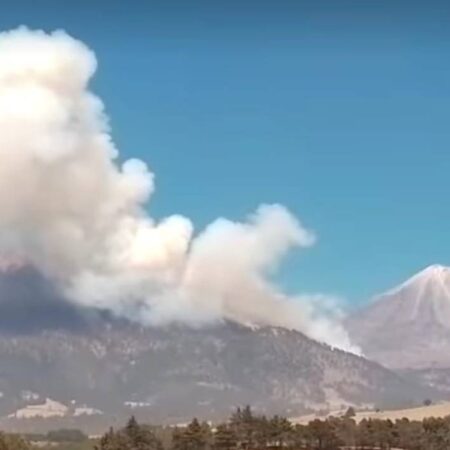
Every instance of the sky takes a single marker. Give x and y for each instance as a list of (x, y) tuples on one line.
[(338, 110)]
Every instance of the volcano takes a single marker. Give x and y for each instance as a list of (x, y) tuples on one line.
[(408, 327)]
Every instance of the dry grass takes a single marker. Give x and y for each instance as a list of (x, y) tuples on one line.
[(419, 413)]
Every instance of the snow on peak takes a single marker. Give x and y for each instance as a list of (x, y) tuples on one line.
[(435, 270), (436, 276), (422, 299)]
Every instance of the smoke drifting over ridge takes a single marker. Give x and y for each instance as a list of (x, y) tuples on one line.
[(68, 208)]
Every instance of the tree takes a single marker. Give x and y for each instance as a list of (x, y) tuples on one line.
[(193, 437), (224, 438), (364, 436), (409, 434), (244, 425), (247, 431), (322, 435), (113, 441), (300, 436), (345, 428), (436, 433), (383, 433), (280, 431), (132, 437)]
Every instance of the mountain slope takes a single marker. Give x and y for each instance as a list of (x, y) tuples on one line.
[(408, 327), (180, 371), (88, 359)]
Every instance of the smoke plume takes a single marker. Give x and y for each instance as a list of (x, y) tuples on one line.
[(72, 210)]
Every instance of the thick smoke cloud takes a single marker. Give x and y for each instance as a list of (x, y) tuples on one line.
[(71, 209)]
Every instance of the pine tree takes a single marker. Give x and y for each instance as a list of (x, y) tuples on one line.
[(224, 438), (114, 441), (195, 436), (141, 437), (132, 437), (278, 431), (323, 436), (132, 428), (244, 424)]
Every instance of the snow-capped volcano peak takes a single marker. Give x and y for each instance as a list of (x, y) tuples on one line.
[(433, 272), (431, 283), (408, 325)]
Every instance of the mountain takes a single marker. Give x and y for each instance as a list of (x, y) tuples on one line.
[(408, 327), (87, 365)]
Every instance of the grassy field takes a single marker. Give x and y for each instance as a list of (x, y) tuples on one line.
[(419, 413)]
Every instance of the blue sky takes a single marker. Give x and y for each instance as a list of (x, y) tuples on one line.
[(338, 110)]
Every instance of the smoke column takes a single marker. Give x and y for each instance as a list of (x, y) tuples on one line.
[(69, 208)]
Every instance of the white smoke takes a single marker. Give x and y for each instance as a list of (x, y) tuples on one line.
[(68, 207)]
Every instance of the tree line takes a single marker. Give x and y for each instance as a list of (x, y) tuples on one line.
[(245, 430), (248, 431)]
